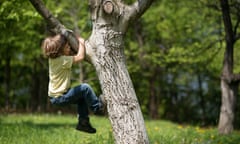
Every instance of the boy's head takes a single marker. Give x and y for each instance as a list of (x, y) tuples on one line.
[(56, 46)]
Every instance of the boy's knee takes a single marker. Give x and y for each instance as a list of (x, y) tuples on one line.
[(86, 86)]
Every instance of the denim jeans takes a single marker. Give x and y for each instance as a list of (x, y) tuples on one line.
[(83, 96)]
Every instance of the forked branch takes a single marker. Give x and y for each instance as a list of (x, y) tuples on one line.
[(139, 7)]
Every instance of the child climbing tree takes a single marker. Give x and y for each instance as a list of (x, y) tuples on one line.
[(105, 50)]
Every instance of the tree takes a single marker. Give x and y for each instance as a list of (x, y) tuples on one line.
[(105, 50), (229, 80)]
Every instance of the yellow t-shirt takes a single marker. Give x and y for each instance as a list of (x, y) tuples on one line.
[(59, 75)]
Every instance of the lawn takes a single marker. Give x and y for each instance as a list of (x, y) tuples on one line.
[(60, 129)]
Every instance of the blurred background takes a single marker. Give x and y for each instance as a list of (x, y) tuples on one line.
[(174, 54)]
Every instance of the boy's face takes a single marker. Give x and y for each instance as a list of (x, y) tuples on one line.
[(67, 50)]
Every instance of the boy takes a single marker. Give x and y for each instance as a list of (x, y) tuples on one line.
[(61, 58)]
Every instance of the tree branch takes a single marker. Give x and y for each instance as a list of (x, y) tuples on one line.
[(54, 24), (237, 37), (235, 29), (139, 7), (213, 6), (235, 77), (232, 79)]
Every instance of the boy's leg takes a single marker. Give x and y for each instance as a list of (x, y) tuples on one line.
[(90, 97), (83, 96), (85, 126), (83, 119)]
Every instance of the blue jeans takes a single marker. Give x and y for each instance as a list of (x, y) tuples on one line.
[(83, 96)]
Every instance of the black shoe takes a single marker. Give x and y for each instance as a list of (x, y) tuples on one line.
[(85, 126)]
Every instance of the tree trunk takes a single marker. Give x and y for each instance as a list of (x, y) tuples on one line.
[(35, 100), (153, 94), (229, 92), (229, 84), (105, 47), (7, 80), (202, 99), (106, 51)]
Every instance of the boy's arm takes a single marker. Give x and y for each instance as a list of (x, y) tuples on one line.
[(81, 51)]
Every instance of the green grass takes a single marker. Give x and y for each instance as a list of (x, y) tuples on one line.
[(60, 129)]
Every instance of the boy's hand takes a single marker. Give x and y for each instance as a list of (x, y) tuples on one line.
[(66, 32), (71, 38)]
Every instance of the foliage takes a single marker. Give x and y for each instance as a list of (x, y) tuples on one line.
[(50, 129), (19, 26), (174, 56), (179, 53)]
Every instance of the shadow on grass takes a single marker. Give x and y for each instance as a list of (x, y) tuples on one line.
[(43, 126)]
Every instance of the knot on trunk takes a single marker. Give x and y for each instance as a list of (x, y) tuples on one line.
[(129, 103)]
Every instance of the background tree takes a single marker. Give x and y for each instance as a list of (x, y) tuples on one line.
[(229, 80)]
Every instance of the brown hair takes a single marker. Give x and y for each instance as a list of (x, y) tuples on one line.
[(52, 46)]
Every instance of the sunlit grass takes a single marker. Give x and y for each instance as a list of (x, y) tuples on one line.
[(50, 129), (165, 132), (60, 129)]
